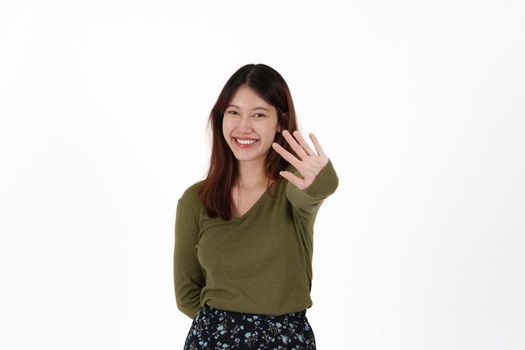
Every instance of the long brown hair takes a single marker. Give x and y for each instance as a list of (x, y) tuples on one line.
[(215, 192)]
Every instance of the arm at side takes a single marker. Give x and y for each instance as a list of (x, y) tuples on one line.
[(188, 276)]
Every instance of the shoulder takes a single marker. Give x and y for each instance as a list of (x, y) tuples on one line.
[(192, 191), (190, 197)]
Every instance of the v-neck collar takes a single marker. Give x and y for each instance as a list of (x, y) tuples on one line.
[(256, 204)]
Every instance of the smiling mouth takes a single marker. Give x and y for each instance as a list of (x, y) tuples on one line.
[(244, 143)]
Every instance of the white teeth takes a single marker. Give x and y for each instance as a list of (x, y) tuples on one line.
[(246, 142)]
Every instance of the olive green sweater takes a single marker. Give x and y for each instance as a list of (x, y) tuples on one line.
[(258, 263)]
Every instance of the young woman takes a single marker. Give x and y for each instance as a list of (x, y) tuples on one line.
[(244, 234)]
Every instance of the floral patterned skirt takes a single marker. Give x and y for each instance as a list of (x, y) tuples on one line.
[(214, 329)]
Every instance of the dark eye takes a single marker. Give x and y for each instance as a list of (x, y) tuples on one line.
[(259, 115), (232, 112)]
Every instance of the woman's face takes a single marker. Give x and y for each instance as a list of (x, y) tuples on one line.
[(249, 125)]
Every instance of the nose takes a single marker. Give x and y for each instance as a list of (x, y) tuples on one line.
[(245, 124)]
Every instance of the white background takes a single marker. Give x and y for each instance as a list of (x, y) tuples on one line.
[(419, 104)]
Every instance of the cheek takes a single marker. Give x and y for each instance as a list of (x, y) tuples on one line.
[(271, 130), (226, 128)]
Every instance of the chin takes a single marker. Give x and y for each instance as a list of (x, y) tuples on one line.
[(245, 159), (248, 158)]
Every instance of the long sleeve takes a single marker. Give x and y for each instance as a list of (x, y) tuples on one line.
[(188, 276), (307, 201)]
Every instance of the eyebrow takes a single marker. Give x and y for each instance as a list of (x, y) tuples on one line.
[(266, 109)]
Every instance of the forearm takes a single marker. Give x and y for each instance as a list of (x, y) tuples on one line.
[(323, 186)]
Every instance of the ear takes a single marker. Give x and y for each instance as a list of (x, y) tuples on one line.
[(279, 129)]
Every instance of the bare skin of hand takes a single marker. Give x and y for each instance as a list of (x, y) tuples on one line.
[(310, 163)]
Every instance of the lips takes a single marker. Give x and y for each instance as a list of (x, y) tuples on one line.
[(245, 142)]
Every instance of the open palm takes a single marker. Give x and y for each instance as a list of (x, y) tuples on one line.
[(310, 163)]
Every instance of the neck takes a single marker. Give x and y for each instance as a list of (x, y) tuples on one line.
[(252, 175)]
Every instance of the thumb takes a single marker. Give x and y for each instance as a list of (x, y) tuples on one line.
[(297, 181)]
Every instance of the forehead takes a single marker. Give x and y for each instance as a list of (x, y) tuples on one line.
[(246, 97)]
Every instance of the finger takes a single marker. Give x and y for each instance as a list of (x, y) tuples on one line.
[(286, 155), (318, 147), (303, 143), (297, 181), (295, 146)]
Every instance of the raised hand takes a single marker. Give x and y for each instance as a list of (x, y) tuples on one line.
[(310, 163)]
